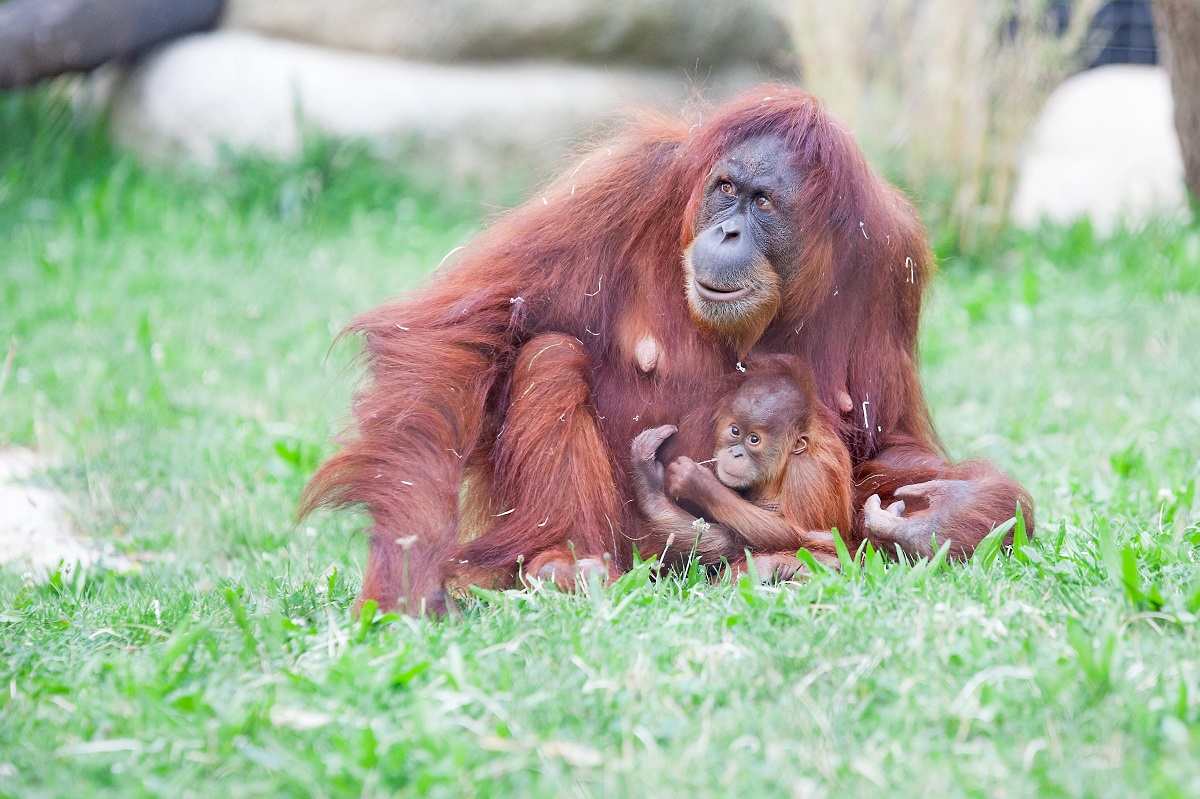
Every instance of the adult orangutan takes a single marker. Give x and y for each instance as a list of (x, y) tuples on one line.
[(647, 273)]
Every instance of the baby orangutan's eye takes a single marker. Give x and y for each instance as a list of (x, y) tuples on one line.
[(753, 439), (734, 431)]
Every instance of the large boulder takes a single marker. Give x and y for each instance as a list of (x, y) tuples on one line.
[(693, 34), (248, 93), (1104, 148)]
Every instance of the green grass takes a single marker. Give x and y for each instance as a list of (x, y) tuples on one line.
[(169, 336)]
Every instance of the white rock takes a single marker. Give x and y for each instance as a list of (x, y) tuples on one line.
[(686, 33), (247, 92), (1104, 148), (35, 529)]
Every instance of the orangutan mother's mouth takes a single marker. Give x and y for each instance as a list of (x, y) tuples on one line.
[(713, 294)]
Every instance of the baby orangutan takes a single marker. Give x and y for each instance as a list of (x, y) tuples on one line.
[(782, 479)]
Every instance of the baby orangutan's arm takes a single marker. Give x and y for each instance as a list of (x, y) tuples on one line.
[(760, 529)]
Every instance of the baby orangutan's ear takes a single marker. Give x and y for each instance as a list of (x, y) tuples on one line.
[(801, 445)]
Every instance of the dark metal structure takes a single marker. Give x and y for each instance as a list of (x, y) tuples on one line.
[(1121, 33)]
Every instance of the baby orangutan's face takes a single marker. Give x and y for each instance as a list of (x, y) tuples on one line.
[(755, 432)]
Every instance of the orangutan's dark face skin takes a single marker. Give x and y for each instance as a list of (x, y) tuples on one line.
[(746, 245)]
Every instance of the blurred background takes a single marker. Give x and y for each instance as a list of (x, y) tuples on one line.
[(987, 110)]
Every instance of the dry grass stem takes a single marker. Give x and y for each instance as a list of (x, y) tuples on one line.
[(942, 92)]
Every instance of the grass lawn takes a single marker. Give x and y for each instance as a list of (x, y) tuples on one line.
[(170, 338)]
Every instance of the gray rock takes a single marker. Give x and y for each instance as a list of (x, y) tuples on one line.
[(1104, 148), (249, 93), (693, 34)]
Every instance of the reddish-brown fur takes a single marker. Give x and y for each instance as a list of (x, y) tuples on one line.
[(597, 258), (813, 491), (799, 491)]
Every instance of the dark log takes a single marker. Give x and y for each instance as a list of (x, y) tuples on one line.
[(43, 38), (1177, 30)]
